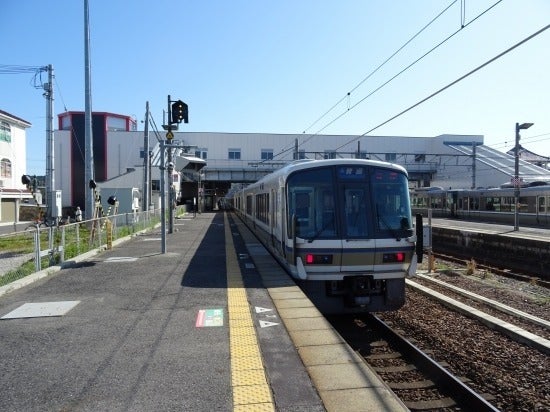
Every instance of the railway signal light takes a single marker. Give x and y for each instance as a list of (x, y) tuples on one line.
[(180, 112)]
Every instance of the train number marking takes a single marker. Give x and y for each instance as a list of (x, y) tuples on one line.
[(261, 310)]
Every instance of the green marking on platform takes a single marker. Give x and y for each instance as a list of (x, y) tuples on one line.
[(209, 317)]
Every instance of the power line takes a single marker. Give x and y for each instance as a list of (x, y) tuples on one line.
[(398, 74), (15, 69), (407, 67), (380, 66), (450, 84)]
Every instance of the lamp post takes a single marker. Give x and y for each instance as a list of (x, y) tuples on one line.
[(516, 173)]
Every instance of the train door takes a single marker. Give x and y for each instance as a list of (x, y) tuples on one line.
[(358, 244)]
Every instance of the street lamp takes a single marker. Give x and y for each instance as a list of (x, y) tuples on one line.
[(516, 173)]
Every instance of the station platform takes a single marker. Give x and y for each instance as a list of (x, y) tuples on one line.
[(523, 232), (212, 325)]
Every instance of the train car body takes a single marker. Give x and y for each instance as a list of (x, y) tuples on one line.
[(495, 205), (341, 228)]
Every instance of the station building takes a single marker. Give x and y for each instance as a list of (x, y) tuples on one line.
[(208, 163)]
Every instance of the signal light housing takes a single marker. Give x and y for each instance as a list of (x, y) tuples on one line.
[(180, 112)]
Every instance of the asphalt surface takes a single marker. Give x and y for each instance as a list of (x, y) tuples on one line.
[(131, 343)]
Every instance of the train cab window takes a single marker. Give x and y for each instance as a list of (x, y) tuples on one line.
[(392, 206), (311, 201)]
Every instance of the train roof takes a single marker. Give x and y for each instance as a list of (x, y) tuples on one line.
[(305, 164)]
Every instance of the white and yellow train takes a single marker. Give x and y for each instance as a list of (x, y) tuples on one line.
[(342, 228)]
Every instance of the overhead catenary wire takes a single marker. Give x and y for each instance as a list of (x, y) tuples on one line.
[(369, 76), (538, 32), (408, 67), (348, 94), (349, 108)]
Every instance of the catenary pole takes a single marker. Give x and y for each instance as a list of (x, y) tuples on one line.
[(88, 136), (146, 163), (50, 175)]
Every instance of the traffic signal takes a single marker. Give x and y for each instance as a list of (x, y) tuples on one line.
[(180, 112)]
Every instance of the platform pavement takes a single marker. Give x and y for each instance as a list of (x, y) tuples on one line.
[(133, 342)]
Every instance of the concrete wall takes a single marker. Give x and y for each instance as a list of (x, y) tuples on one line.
[(497, 250)]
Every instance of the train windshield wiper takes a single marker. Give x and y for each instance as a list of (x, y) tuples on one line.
[(321, 230), (392, 230)]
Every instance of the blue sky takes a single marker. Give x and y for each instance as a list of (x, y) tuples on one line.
[(278, 67)]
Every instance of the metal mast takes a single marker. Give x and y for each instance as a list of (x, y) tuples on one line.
[(88, 137), (146, 171), (50, 177)]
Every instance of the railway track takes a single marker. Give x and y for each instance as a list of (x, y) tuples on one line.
[(510, 375), (419, 381), (535, 339), (493, 268)]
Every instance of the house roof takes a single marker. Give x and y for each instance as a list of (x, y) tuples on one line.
[(15, 119)]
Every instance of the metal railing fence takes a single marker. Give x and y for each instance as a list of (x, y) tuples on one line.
[(39, 246)]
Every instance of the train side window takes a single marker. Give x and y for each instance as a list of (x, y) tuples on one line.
[(542, 204)]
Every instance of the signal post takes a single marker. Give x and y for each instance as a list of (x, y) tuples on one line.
[(177, 112)]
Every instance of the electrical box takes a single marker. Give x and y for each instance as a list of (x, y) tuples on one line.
[(427, 236), (57, 209)]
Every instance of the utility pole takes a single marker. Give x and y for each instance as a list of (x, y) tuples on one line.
[(88, 136), (162, 199), (516, 180), (146, 162), (50, 176), (474, 154)]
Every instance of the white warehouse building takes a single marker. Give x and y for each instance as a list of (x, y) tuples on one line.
[(208, 163)]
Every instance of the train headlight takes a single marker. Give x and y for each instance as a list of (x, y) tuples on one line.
[(312, 259), (393, 257)]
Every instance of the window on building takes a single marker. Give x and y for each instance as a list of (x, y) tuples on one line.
[(5, 132), (420, 158), (301, 154), (267, 154), (201, 153), (5, 168), (330, 154), (234, 154), (66, 122), (155, 185), (391, 157), (116, 124)]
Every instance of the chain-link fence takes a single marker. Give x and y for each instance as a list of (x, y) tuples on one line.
[(39, 246)]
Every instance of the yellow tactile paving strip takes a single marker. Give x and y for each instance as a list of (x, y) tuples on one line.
[(251, 392)]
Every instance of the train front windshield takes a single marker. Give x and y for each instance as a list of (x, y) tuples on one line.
[(349, 202)]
